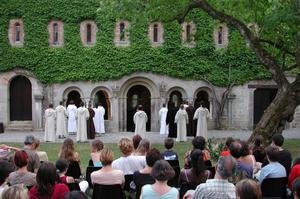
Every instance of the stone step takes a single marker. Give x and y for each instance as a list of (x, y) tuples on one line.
[(19, 126)]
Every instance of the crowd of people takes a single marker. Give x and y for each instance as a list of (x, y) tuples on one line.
[(240, 172)]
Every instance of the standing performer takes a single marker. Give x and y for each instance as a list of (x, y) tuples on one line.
[(50, 116), (170, 120), (82, 116), (181, 119), (102, 113), (72, 112), (140, 119), (202, 114), (191, 131), (61, 116), (163, 116), (99, 119), (90, 123)]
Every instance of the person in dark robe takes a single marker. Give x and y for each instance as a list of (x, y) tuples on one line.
[(170, 120), (191, 131), (90, 123)]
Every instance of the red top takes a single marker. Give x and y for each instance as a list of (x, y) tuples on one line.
[(295, 172), (225, 153), (58, 193), (63, 179)]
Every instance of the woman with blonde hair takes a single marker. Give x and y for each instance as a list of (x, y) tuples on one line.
[(143, 148), (15, 192)]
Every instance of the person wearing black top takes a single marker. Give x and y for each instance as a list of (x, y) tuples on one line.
[(169, 154), (170, 120)]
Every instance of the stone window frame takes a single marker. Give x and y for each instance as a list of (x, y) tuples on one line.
[(60, 41), (225, 34), (160, 34), (83, 32), (117, 40), (192, 42), (12, 32)]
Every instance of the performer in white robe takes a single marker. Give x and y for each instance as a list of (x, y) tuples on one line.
[(61, 117), (72, 112), (82, 116), (50, 116), (181, 119), (202, 114), (140, 119), (163, 116), (99, 119)]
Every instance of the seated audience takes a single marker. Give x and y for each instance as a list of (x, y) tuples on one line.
[(67, 151), (96, 147), (34, 160), (248, 189), (219, 187), (142, 177), (295, 172), (226, 151), (22, 175), (107, 175), (247, 161), (42, 154), (76, 195), (14, 192), (258, 150), (136, 139), (161, 172), (274, 169), (46, 187), (169, 153), (197, 173), (296, 188), (143, 148), (7, 154), (127, 162), (5, 170)]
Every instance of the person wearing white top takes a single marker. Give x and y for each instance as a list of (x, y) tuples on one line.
[(72, 112), (202, 114), (82, 116), (140, 119), (99, 119), (181, 119), (61, 125), (50, 116), (163, 116)]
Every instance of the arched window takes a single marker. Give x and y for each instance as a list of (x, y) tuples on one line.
[(188, 33), (17, 32), (220, 35), (55, 33), (155, 33), (122, 31), (88, 33)]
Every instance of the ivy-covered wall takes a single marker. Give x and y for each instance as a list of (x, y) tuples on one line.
[(104, 61)]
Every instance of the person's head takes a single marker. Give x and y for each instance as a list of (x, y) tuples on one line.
[(202, 103), (136, 139), (99, 104), (162, 171), (21, 159), (197, 162), (296, 188), (296, 161), (15, 192), (245, 149), (67, 150), (5, 170), (181, 106), (248, 189), (45, 179), (226, 167), (71, 102), (76, 195), (169, 143), (152, 156), (199, 143), (96, 104), (106, 156), (258, 140), (96, 145), (61, 166), (36, 144), (90, 105), (277, 140), (61, 103), (82, 104), (29, 139), (236, 149), (50, 105), (228, 142), (272, 153), (143, 147), (126, 146), (140, 107), (164, 105)]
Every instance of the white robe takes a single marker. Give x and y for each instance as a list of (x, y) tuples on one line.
[(99, 119), (82, 116), (181, 119), (61, 125), (72, 112), (163, 125), (140, 119), (50, 116), (202, 114)]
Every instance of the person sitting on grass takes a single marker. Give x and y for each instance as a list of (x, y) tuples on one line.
[(169, 153), (96, 147)]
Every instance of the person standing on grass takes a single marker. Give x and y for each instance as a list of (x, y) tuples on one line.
[(163, 116), (82, 116), (202, 115), (72, 112), (140, 119), (90, 123), (181, 119), (61, 116), (50, 116)]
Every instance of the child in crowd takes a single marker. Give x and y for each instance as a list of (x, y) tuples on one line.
[(169, 154), (96, 147)]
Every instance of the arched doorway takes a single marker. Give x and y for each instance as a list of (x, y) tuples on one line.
[(103, 98), (20, 99), (75, 96), (202, 96), (135, 96), (176, 98)]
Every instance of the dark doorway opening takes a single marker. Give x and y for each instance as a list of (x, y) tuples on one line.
[(262, 99), (75, 96), (135, 96), (102, 97), (202, 96), (176, 98), (20, 99)]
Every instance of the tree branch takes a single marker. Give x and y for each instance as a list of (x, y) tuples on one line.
[(278, 46), (291, 67)]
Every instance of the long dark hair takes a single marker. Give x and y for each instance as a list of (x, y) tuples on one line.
[(198, 164), (46, 178)]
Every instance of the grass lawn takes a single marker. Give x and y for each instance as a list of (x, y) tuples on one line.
[(83, 149)]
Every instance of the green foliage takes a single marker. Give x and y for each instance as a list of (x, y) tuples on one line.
[(104, 61)]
